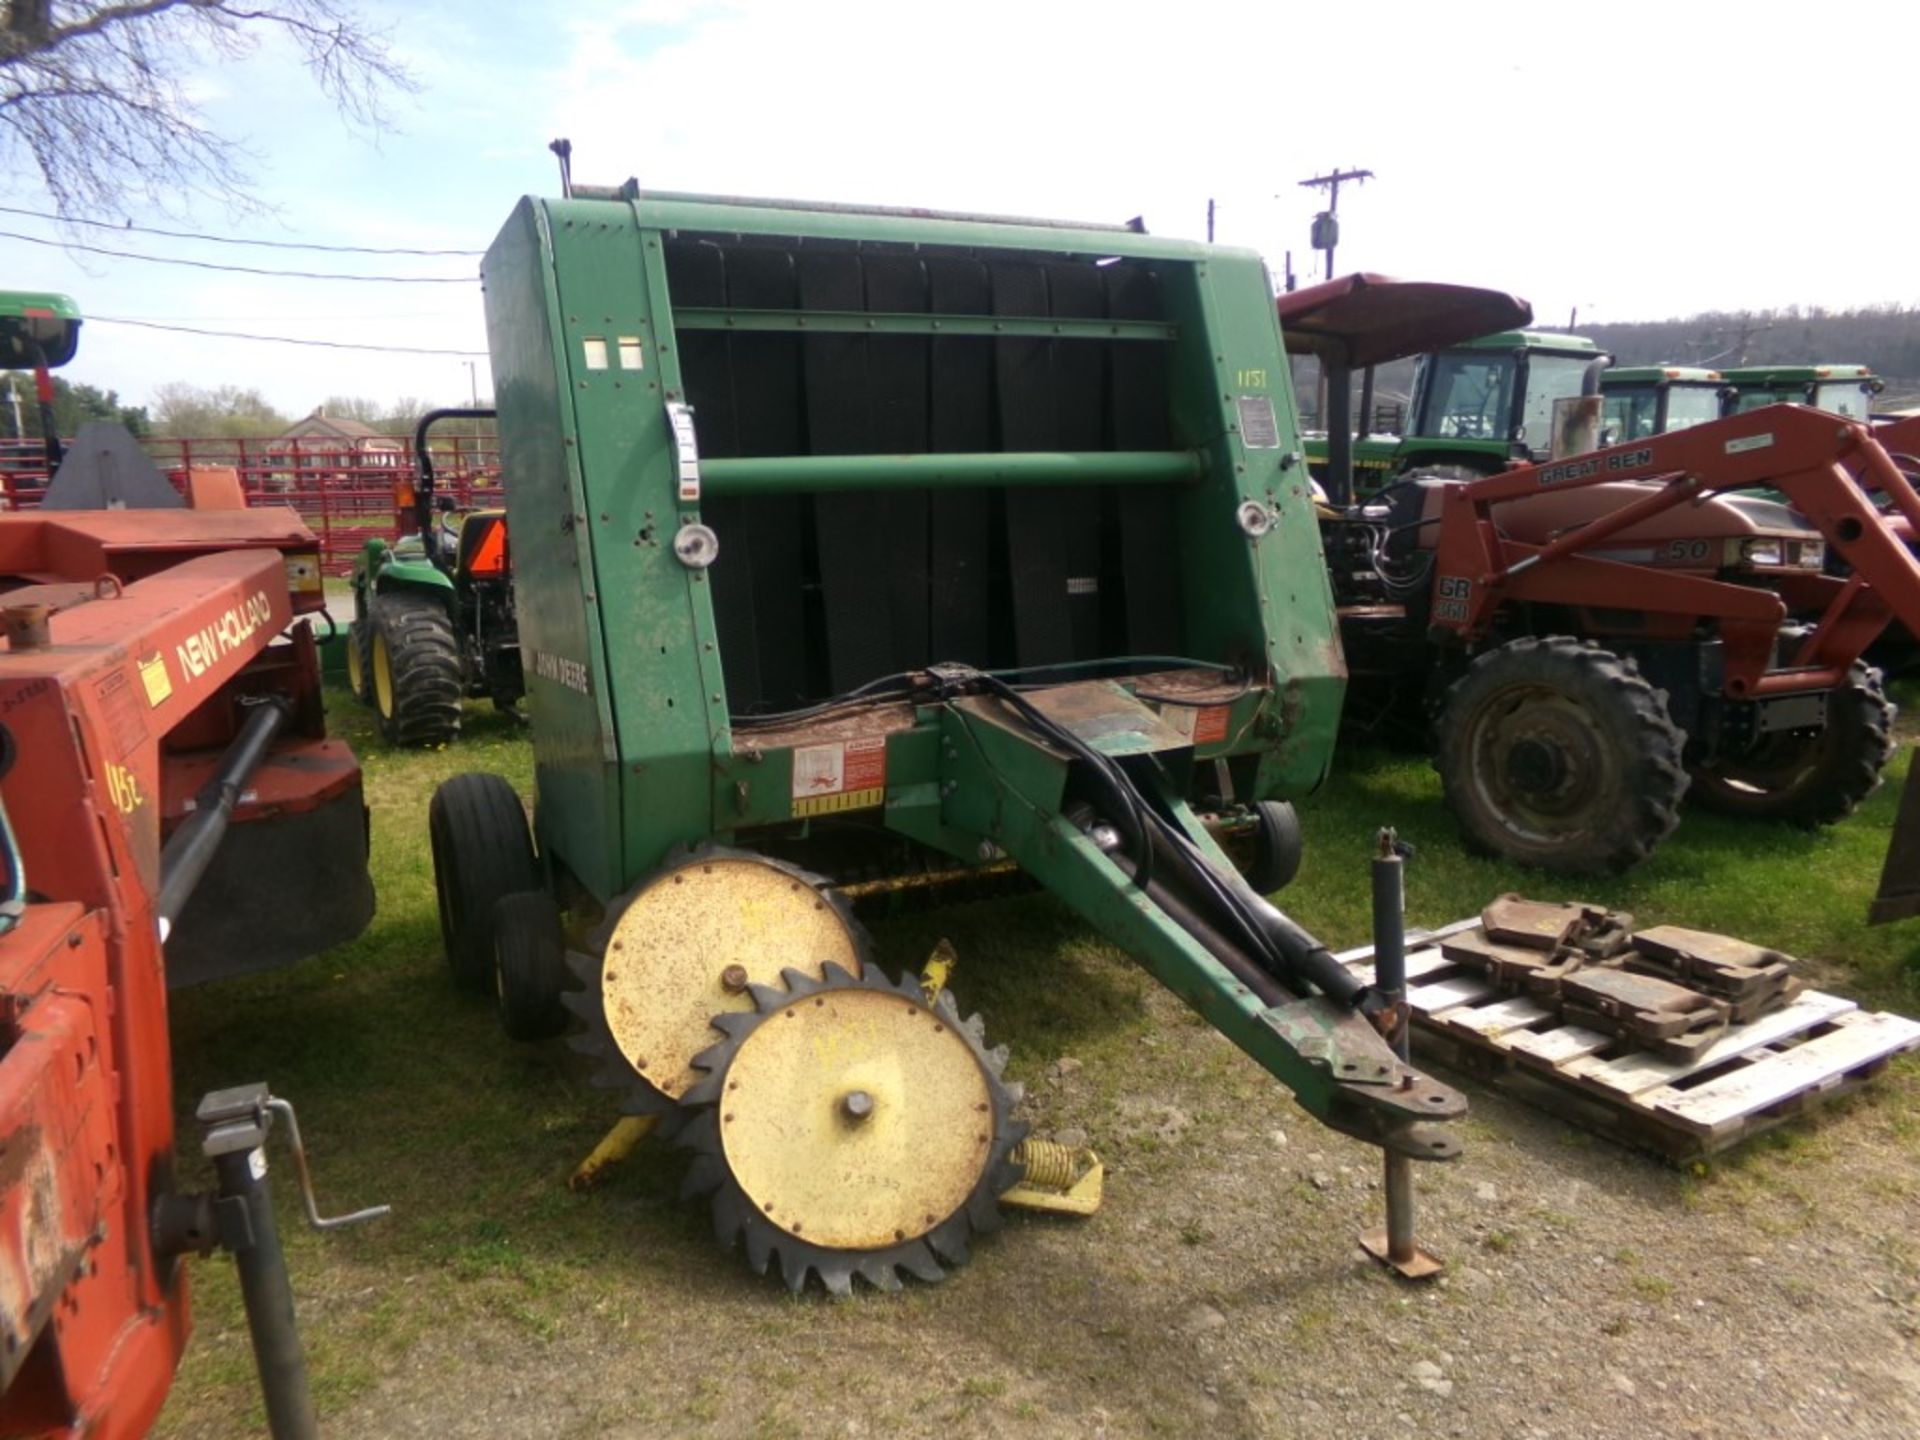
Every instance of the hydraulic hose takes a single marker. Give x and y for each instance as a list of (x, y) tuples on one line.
[(191, 848)]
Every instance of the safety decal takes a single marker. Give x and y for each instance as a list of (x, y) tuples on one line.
[(842, 775), (153, 675)]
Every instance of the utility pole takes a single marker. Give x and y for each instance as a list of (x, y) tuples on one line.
[(1209, 221), (1326, 225), (473, 382)]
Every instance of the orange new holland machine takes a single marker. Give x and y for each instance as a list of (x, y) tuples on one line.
[(157, 690)]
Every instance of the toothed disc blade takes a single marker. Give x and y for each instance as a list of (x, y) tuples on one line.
[(861, 1130), (687, 941)]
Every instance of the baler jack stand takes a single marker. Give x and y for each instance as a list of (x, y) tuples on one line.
[(238, 1217), (1394, 1246)]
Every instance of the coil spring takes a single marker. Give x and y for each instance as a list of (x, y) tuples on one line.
[(1050, 1165)]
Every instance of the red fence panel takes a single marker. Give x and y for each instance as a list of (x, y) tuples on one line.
[(347, 490)]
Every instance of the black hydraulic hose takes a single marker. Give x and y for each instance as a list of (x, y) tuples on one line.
[(1243, 967), (192, 845)]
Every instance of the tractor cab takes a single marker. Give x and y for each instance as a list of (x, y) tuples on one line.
[(39, 331), (1362, 321), (1845, 390), (1647, 400), (1484, 404)]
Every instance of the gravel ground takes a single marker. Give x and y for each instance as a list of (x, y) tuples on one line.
[(1589, 1291)]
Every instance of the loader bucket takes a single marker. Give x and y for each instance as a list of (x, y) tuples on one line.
[(1899, 897)]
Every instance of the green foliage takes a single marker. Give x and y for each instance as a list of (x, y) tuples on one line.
[(74, 405), (223, 412)]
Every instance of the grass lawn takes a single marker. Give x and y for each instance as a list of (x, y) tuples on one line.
[(409, 1094)]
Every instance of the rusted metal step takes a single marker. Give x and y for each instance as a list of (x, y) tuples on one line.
[(1750, 1078)]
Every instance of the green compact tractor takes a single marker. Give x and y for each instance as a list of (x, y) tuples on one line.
[(866, 551), (1647, 400), (433, 613), (1842, 389)]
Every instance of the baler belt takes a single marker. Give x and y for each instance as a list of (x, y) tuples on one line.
[(897, 373), (697, 276), (849, 527), (1077, 292), (1148, 562), (1038, 521), (766, 369), (961, 421)]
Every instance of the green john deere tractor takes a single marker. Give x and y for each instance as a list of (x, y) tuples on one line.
[(1647, 400), (433, 617), (1478, 405), (1843, 389)]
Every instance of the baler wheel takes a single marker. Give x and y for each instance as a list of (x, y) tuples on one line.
[(1557, 753), (415, 670), (851, 1128), (1809, 777), (1278, 847), (529, 965), (481, 851)]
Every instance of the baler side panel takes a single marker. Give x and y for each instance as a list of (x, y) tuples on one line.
[(657, 654), (561, 649), (1266, 598)]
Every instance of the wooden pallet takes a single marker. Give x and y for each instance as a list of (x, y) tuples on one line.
[(1753, 1078)]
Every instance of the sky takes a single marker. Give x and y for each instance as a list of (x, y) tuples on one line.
[(1635, 161)]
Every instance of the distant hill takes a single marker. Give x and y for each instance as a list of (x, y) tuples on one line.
[(1886, 337)]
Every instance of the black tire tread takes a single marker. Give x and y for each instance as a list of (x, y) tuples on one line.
[(1838, 783), (530, 962), (482, 850), (1659, 775), (427, 674)]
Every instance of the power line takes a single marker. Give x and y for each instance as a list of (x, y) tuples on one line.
[(281, 339), (230, 239), (242, 269)]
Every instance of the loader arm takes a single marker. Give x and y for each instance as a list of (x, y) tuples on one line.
[(1824, 468)]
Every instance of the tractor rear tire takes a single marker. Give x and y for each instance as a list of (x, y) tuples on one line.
[(481, 851), (530, 965), (1555, 752), (414, 670), (1809, 777), (360, 660), (1278, 847)]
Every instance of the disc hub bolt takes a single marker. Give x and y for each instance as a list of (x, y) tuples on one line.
[(733, 979), (856, 1105)]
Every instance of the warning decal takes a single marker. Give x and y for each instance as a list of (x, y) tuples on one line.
[(842, 775), (1210, 725), (153, 675)]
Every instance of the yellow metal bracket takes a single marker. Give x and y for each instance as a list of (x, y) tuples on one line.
[(1060, 1179), (620, 1142)]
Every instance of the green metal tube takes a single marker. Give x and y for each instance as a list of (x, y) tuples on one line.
[(810, 474)]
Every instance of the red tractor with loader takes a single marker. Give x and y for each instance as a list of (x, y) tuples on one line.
[(1600, 634)]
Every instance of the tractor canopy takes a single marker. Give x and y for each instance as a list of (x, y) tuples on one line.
[(37, 327), (1643, 400), (1366, 319)]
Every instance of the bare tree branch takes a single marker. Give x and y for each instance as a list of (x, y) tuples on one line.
[(93, 95)]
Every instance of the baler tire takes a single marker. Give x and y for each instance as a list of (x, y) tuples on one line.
[(1599, 782), (360, 660), (482, 850), (1817, 777), (414, 647), (1278, 847), (529, 965)]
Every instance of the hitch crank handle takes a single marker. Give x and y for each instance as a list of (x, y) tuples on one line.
[(238, 1217), (1394, 1246)]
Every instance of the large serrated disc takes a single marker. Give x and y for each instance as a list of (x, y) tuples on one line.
[(857, 1130), (681, 951)]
